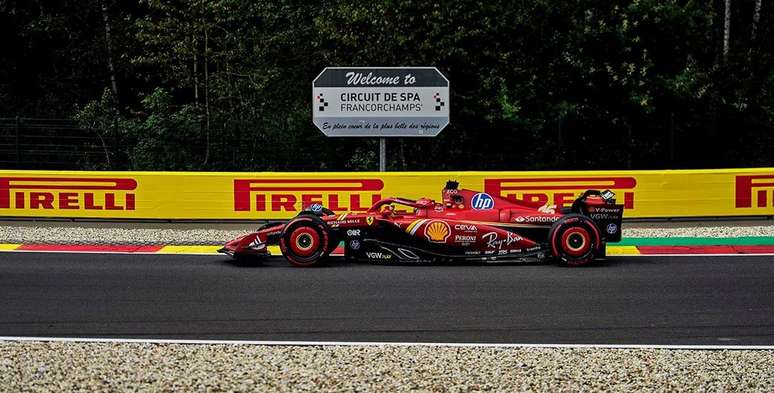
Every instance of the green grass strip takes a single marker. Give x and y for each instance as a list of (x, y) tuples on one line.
[(698, 241)]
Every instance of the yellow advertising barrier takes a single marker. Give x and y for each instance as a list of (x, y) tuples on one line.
[(261, 196)]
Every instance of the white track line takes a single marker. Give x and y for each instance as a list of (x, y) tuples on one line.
[(373, 344)]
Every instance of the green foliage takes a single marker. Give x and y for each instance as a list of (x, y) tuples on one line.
[(536, 84), (165, 139)]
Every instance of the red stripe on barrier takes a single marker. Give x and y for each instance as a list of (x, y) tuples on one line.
[(655, 250), (88, 248)]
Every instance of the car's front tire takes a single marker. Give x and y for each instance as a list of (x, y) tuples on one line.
[(305, 241)]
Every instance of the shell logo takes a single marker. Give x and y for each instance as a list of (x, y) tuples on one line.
[(437, 231)]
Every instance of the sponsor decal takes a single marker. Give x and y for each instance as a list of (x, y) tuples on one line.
[(605, 213), (481, 201), (378, 255), (472, 252), (494, 241), (612, 228), (288, 195), (466, 227), (602, 209), (354, 244), (465, 239), (67, 193), (352, 221), (536, 219), (437, 231), (754, 191), (533, 248), (353, 232), (560, 191), (343, 220), (316, 207), (604, 216)]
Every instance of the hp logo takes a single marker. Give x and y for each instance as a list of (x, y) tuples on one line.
[(482, 201), (354, 244)]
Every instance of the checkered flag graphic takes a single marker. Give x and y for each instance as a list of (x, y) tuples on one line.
[(321, 103), (439, 103)]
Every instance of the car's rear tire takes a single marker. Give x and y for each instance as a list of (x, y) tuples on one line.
[(575, 240), (305, 241)]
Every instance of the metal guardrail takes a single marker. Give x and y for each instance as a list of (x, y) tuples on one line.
[(51, 144)]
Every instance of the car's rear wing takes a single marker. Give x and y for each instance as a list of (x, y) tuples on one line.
[(601, 207)]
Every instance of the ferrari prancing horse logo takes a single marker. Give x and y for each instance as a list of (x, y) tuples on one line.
[(370, 220)]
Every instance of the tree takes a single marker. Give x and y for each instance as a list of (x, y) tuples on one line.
[(536, 84), (726, 29)]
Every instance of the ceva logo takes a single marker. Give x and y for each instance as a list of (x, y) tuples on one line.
[(65, 193), (292, 194), (560, 191), (758, 187)]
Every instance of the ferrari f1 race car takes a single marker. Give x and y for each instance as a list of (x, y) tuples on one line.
[(466, 226)]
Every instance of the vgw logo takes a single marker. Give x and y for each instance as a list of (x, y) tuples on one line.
[(293, 194), (67, 193), (482, 201), (560, 191), (761, 186)]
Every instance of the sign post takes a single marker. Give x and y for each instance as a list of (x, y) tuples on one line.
[(382, 154), (380, 102)]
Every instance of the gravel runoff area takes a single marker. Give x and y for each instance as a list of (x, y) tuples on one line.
[(96, 367), (63, 232)]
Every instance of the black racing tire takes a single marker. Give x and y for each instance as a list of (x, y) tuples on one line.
[(574, 240), (305, 241)]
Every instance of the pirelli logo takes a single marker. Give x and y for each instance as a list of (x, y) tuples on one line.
[(754, 191), (67, 193), (560, 191), (278, 195)]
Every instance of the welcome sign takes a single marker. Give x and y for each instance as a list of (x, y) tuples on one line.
[(380, 102)]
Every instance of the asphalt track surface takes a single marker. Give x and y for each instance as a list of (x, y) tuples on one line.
[(626, 300)]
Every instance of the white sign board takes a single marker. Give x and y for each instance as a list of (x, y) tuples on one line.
[(380, 102)]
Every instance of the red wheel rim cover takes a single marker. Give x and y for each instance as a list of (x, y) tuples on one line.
[(585, 246), (304, 232)]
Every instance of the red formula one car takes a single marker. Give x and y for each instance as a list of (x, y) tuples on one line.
[(465, 226)]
